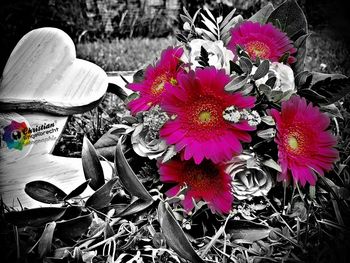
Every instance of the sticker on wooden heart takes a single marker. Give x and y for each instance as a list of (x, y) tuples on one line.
[(43, 74)]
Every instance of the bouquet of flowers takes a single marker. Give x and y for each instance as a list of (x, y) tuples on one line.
[(231, 138), (231, 111)]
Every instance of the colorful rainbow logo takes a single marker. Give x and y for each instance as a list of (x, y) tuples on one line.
[(16, 135)]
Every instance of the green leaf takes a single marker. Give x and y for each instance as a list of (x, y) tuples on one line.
[(74, 228), (312, 96), (262, 70), (209, 35), (301, 77), (209, 13), (263, 14), (268, 120), (91, 165), (127, 175), (77, 191), (271, 82), (106, 145), (135, 207), (45, 242), (174, 235), (236, 68), (246, 64), (185, 19), (138, 76), (284, 58), (236, 83), (204, 57), (242, 230), (115, 89), (225, 32), (34, 217), (332, 88), (103, 196), (272, 164), (291, 17), (318, 76), (45, 192), (300, 45), (210, 25), (227, 19), (266, 134), (332, 111)]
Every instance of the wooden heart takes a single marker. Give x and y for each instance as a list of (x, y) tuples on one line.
[(43, 74)]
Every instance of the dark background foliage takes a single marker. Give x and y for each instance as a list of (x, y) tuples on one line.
[(93, 20)]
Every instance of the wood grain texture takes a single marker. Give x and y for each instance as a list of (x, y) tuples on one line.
[(43, 74)]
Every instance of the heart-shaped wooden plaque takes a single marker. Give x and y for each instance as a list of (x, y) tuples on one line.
[(43, 74)]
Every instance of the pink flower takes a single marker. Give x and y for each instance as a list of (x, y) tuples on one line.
[(263, 41), (207, 181), (304, 144), (152, 87), (198, 125)]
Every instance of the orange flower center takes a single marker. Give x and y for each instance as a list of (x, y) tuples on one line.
[(257, 49)]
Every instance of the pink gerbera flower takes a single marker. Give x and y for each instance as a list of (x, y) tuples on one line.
[(198, 125), (304, 144), (152, 87), (207, 181), (263, 41)]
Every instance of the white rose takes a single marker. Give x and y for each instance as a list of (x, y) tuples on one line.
[(146, 146), (219, 56), (284, 86), (248, 178)]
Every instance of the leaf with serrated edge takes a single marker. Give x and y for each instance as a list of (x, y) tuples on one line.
[(44, 192), (91, 165), (291, 17), (174, 235), (127, 175)]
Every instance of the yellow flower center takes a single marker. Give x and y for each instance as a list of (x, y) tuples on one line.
[(293, 143), (204, 116), (173, 81), (257, 49), (158, 84)]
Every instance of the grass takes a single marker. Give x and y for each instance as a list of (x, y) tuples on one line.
[(124, 54)]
